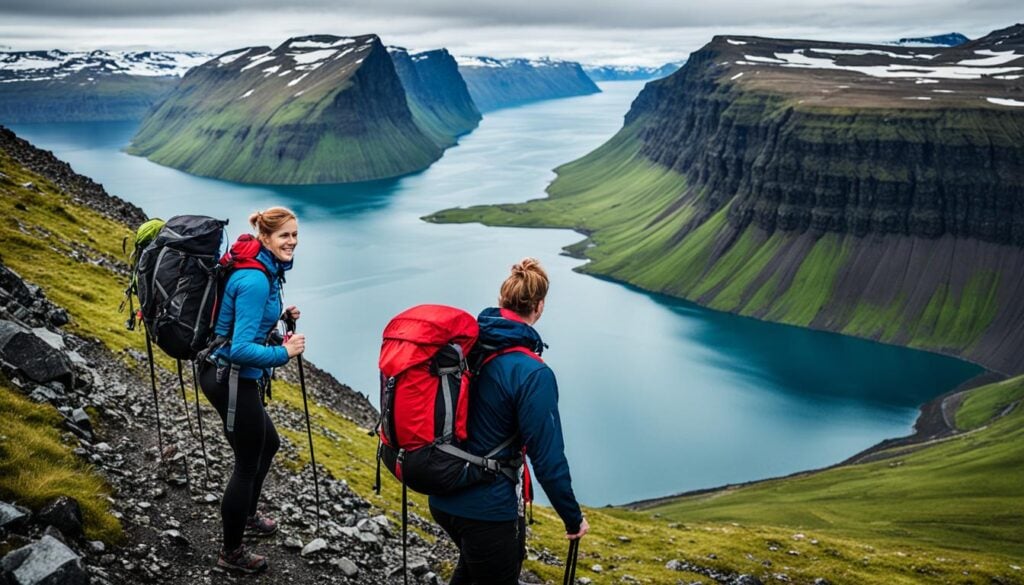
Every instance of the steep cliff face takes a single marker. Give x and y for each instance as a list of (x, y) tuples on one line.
[(498, 83), (437, 94), (317, 109), (59, 86), (872, 190)]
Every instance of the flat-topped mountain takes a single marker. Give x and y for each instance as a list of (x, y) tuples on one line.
[(437, 94), (316, 109), (497, 83), (872, 190), (58, 86)]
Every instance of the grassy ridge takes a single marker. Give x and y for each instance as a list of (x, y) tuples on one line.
[(962, 493)]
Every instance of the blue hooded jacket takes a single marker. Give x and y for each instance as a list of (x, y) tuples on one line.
[(250, 308), (514, 394)]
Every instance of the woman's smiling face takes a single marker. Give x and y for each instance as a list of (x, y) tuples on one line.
[(282, 242)]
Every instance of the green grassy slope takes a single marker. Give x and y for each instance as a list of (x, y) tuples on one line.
[(36, 465), (962, 493)]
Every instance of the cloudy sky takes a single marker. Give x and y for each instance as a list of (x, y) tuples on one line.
[(620, 32)]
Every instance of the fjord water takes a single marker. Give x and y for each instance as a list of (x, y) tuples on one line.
[(657, 395)]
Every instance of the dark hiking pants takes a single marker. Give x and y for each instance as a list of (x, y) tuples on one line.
[(490, 553), (254, 442)]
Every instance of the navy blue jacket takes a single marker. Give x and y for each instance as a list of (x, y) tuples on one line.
[(514, 394), (250, 308)]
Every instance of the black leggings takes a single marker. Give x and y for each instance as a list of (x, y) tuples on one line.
[(254, 442), (490, 553)]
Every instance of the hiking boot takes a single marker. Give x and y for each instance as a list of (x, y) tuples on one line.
[(242, 560), (260, 526)]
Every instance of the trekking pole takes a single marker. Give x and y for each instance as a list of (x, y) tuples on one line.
[(570, 563), (156, 400), (309, 430), (199, 420), (184, 400)]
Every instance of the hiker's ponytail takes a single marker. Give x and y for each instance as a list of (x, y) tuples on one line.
[(270, 220), (525, 288)]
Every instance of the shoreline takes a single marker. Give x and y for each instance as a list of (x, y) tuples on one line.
[(932, 424)]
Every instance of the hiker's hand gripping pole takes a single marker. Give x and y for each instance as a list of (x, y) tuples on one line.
[(289, 321)]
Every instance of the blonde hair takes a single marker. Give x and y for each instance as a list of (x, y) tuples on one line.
[(270, 220), (525, 288)]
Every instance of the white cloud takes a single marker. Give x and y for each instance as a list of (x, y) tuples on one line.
[(648, 32)]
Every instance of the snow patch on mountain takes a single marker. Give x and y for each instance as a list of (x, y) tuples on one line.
[(1005, 102), (57, 64)]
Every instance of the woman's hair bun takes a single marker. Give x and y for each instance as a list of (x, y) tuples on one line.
[(525, 287), (271, 219)]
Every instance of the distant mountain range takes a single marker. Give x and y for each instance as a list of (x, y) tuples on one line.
[(946, 40), (56, 86), (497, 83), (630, 72), (57, 64)]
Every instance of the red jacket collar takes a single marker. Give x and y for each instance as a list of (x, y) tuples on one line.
[(512, 315)]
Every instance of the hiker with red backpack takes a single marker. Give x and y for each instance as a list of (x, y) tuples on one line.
[(235, 372), (513, 410)]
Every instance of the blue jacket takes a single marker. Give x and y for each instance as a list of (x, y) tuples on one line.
[(250, 308), (514, 394)]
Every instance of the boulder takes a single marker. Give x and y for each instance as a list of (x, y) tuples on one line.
[(11, 282), (13, 517), (81, 419), (315, 546), (33, 356), (47, 561), (65, 514), (346, 566), (46, 394)]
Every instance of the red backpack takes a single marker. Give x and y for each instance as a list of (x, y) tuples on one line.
[(425, 385), (427, 359)]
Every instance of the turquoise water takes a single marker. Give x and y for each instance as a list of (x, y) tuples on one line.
[(657, 395)]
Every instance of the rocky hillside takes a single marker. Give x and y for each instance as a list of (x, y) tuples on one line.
[(86, 495), (437, 94), (498, 83), (876, 191), (59, 86), (316, 109)]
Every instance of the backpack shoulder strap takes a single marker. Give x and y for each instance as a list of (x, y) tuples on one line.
[(513, 349)]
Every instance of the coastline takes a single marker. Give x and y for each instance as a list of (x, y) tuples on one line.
[(932, 425)]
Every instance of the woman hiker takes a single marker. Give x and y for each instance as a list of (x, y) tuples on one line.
[(250, 309), (515, 394)]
